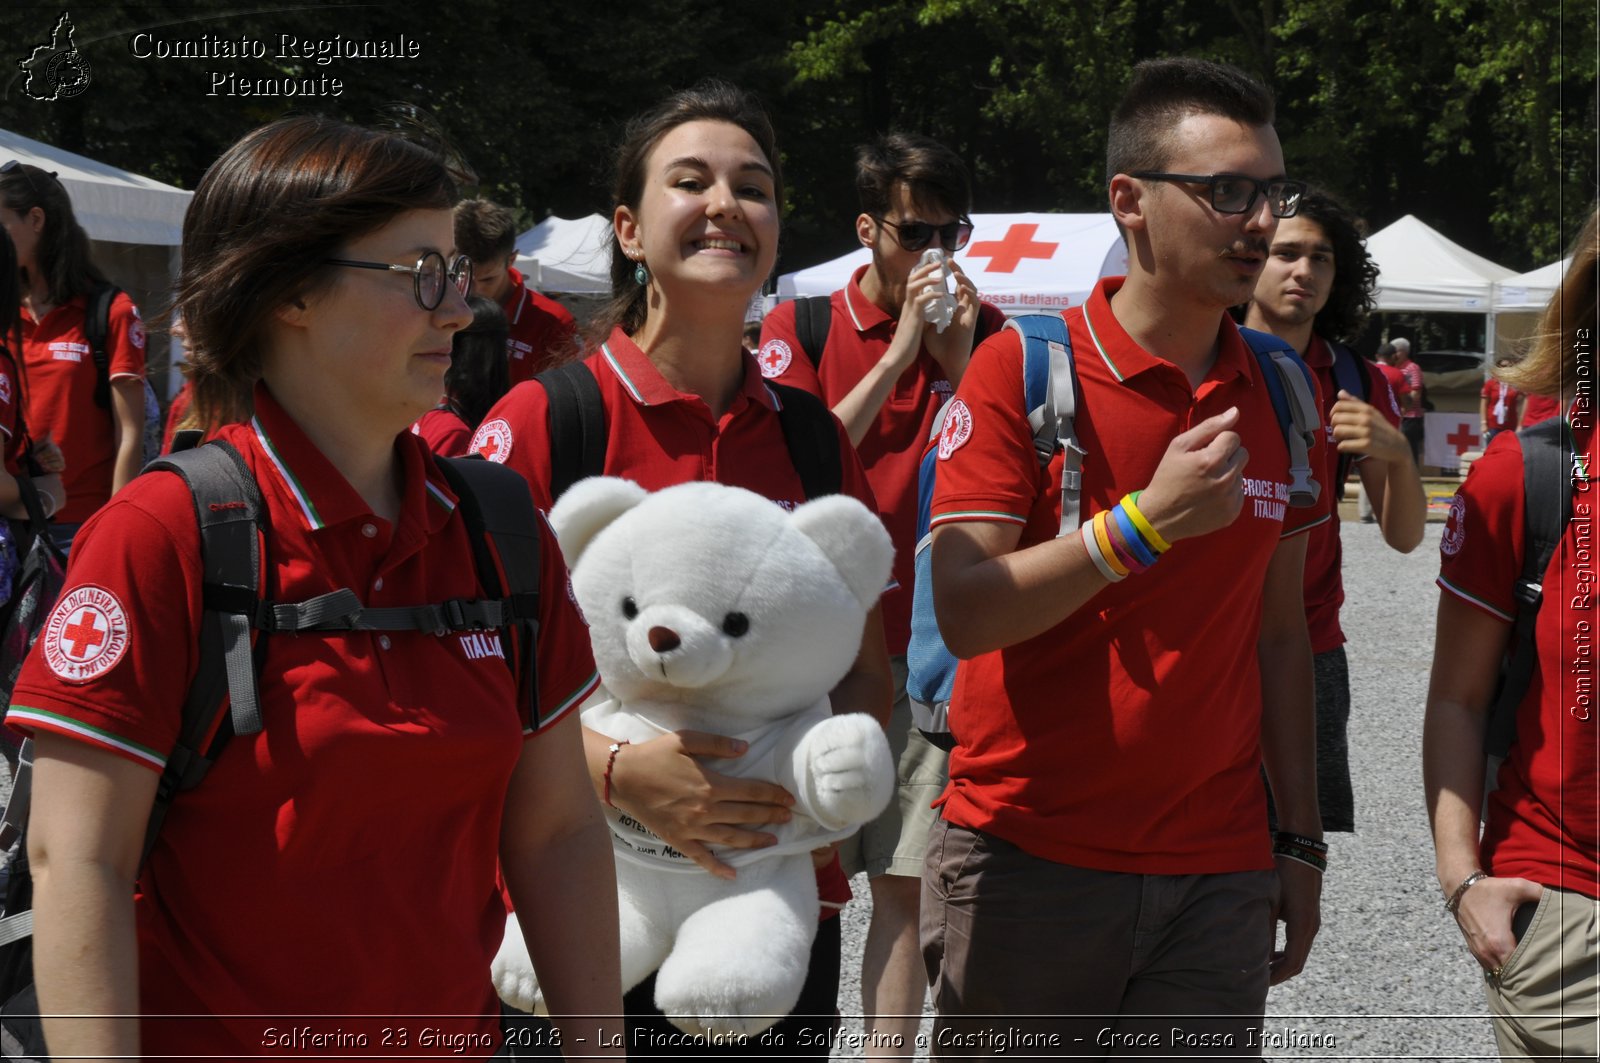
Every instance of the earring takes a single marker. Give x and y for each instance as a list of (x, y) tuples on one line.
[(641, 276)]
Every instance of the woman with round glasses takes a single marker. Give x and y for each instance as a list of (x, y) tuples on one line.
[(100, 430), (343, 861), (697, 198)]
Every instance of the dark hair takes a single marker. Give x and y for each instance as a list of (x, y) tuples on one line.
[(712, 100), (1567, 327), (267, 213), (1384, 352), (478, 375), (10, 296), (1163, 93), (63, 253), (934, 175), (485, 231), (1355, 275)]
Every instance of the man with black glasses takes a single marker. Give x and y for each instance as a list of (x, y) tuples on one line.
[(870, 353), (1102, 874)]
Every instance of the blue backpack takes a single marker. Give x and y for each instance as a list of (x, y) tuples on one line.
[(1050, 387)]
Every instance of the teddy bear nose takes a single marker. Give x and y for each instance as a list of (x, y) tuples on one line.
[(663, 639)]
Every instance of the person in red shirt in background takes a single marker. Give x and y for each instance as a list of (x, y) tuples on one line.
[(103, 448), (885, 372), (541, 331), (1412, 413), (1539, 408), (1102, 863), (1314, 291), (14, 459), (1526, 894), (1499, 407), (474, 382)]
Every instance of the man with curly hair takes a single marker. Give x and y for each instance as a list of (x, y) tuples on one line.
[(1314, 291)]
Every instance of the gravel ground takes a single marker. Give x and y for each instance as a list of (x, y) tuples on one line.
[(1389, 977)]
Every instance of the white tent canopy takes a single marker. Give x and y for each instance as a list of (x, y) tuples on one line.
[(562, 255), (111, 204), (1020, 262), (1532, 290), (1422, 270)]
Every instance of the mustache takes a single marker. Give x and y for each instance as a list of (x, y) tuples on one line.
[(1249, 246)]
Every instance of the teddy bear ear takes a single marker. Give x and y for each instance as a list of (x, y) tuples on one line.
[(853, 538), (587, 507)]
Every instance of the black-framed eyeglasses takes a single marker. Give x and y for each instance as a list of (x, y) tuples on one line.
[(916, 235), (428, 275), (1234, 193)]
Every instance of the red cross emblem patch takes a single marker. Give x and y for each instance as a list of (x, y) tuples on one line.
[(956, 431), (493, 440), (86, 635), (775, 357), (1455, 528)]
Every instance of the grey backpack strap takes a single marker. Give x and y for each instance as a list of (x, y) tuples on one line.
[(1304, 418)]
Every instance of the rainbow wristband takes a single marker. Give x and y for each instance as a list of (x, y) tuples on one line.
[(1130, 534), (1102, 538), (1130, 505)]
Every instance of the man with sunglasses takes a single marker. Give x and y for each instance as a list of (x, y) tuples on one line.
[(885, 372), (1102, 873), (539, 328)]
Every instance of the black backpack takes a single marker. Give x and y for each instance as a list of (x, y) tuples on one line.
[(577, 427), (1349, 375), (1547, 477), (497, 509)]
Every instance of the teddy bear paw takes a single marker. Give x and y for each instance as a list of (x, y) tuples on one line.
[(851, 769), (512, 972)]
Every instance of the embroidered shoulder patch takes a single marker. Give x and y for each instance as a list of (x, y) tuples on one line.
[(1455, 528), (775, 357), (86, 635), (493, 440), (956, 431)]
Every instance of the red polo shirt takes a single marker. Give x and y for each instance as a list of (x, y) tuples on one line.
[(539, 327), (1545, 817), (658, 436), (1324, 555), (343, 861), (10, 409), (1500, 400), (1127, 737), (60, 395), (891, 451), (446, 434), (1540, 408)]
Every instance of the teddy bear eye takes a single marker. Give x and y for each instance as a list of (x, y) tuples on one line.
[(630, 608), (735, 624)]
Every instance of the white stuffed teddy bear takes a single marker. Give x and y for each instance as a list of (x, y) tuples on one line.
[(711, 608)]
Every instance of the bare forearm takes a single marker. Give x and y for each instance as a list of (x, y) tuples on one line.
[(130, 459), (568, 881), (1010, 598), (1403, 509), (858, 409), (1288, 730), (1452, 777), (85, 961)]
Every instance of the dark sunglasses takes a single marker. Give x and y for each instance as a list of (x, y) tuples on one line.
[(1233, 193), (428, 276), (916, 235), (15, 166)]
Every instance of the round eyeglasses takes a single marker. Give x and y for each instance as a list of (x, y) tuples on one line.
[(916, 235), (1233, 193), (428, 276)]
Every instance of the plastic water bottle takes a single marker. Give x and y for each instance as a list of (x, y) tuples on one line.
[(940, 311)]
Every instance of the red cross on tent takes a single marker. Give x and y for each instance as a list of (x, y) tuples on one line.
[(1007, 253)]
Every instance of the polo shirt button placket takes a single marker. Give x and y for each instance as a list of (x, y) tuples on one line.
[(383, 642), (377, 584), (370, 531)]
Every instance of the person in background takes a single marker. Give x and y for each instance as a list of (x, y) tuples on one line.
[(1412, 420), (474, 382), (1500, 406), (885, 375), (1526, 894), (345, 860), (697, 200), (1315, 292), (102, 445), (540, 330)]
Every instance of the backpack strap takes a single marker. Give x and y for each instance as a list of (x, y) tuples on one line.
[(1050, 395), (1547, 506), (498, 510), (96, 327), (813, 316), (576, 416), (230, 513), (812, 438), (1349, 374), (1294, 402)]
